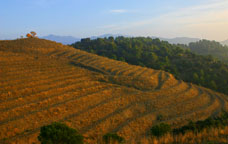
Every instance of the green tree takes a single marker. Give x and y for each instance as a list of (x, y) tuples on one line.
[(213, 85), (58, 133), (196, 78), (160, 130), (113, 138), (206, 47)]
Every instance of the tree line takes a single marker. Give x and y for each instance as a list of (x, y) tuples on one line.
[(212, 122), (206, 47)]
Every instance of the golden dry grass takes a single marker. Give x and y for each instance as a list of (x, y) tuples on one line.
[(43, 81), (207, 136)]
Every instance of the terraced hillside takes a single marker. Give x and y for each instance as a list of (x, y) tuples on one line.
[(43, 81)]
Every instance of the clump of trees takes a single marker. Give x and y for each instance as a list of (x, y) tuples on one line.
[(58, 133), (182, 63), (206, 47), (198, 126), (113, 138), (160, 130), (32, 34)]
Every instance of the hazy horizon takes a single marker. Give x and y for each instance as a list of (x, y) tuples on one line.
[(204, 19)]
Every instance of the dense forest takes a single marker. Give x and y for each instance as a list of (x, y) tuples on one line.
[(153, 53), (206, 47)]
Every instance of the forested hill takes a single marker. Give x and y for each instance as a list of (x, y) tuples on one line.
[(156, 54), (206, 47)]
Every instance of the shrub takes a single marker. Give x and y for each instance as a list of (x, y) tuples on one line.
[(160, 117), (113, 138), (58, 133), (160, 130), (212, 122)]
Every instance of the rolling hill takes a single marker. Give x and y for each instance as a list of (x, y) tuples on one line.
[(213, 48), (43, 81), (184, 64)]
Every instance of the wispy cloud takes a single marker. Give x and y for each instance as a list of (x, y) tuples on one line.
[(188, 14), (118, 11), (209, 19)]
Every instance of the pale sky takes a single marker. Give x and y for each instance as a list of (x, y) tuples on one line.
[(207, 19)]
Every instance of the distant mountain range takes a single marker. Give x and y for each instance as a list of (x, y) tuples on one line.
[(62, 39), (71, 39)]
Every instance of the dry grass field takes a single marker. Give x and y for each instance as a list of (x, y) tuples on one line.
[(43, 81), (211, 136)]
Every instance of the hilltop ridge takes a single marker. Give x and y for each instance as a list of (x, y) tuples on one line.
[(44, 81)]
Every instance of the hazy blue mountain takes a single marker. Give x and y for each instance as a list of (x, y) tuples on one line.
[(225, 42), (179, 40), (71, 39), (62, 39)]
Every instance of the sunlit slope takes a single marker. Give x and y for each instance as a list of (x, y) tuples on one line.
[(43, 81)]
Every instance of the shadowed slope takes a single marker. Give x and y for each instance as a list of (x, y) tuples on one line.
[(43, 81)]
